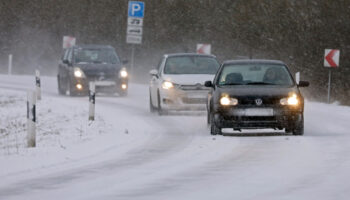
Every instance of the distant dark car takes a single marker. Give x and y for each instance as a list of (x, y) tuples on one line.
[(255, 94), (91, 63)]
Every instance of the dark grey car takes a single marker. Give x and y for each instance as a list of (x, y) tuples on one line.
[(254, 94), (91, 63)]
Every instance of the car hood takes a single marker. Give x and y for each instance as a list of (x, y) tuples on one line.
[(188, 79), (257, 90), (94, 69)]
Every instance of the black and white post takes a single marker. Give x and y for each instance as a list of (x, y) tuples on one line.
[(91, 101), (31, 118), (37, 84)]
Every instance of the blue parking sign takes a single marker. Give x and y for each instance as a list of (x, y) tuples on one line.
[(136, 9)]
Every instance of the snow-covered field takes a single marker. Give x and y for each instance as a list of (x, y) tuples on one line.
[(129, 153)]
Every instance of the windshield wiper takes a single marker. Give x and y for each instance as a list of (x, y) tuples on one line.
[(260, 83), (232, 84)]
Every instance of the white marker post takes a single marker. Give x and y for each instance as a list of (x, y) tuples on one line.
[(37, 84), (10, 64), (91, 101), (297, 77), (31, 118)]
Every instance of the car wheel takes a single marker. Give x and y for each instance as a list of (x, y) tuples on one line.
[(123, 93), (160, 110), (69, 91), (214, 130), (59, 86), (151, 107), (299, 127)]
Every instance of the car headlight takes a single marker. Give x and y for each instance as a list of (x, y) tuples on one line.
[(228, 101), (123, 73), (291, 100), (167, 85), (78, 73)]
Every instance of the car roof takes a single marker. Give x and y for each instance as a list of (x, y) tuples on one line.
[(93, 46), (254, 61), (188, 54)]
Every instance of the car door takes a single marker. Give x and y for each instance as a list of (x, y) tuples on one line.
[(155, 82)]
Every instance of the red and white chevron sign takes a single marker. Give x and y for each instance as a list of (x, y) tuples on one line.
[(203, 48), (68, 41), (331, 58)]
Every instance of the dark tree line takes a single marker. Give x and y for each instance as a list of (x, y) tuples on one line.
[(295, 31)]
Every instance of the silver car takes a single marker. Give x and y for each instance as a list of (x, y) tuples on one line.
[(178, 83)]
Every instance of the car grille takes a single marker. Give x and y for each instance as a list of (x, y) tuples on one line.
[(194, 100), (265, 101), (193, 87)]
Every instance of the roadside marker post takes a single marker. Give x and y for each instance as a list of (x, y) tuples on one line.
[(10, 65), (331, 60), (38, 84), (92, 101), (31, 119)]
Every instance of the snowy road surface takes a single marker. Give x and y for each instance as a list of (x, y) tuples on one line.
[(129, 153)]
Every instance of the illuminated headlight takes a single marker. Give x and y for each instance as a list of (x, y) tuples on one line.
[(78, 73), (124, 86), (292, 100), (123, 73), (167, 85), (228, 101)]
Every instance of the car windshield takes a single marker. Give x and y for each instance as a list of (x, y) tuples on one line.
[(254, 74), (97, 56), (191, 65)]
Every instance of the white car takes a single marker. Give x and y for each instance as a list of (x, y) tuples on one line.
[(178, 84)]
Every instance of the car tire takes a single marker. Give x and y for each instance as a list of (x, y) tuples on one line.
[(151, 107), (59, 86), (159, 108), (214, 130), (69, 91), (299, 127), (123, 93)]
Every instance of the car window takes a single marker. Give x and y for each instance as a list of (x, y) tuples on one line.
[(191, 65), (250, 74), (97, 56)]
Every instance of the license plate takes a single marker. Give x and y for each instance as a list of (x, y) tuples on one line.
[(258, 112), (104, 83), (253, 112)]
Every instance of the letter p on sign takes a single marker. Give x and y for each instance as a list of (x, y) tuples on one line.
[(136, 9)]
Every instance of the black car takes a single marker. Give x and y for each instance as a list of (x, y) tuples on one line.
[(83, 64), (254, 94)]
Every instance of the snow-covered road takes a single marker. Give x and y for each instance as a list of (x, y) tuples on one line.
[(129, 153)]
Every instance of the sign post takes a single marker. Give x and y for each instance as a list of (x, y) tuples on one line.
[(135, 26), (31, 119), (331, 60)]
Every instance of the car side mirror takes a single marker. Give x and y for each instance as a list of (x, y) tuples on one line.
[(154, 72), (208, 84), (65, 61), (303, 83)]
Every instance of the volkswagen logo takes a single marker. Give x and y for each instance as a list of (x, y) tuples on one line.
[(258, 102)]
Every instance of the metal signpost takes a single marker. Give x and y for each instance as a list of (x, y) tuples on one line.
[(331, 60), (135, 23)]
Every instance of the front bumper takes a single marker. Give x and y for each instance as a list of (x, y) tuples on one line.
[(104, 86), (177, 99), (280, 117)]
